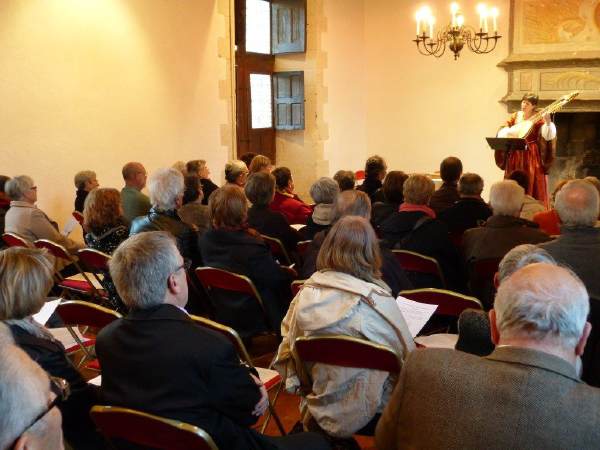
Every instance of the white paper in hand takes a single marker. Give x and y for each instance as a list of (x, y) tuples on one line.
[(415, 314), (46, 311), (69, 226)]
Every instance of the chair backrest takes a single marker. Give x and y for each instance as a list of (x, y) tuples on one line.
[(278, 250), (78, 217), (14, 240), (57, 250), (76, 312), (296, 286), (229, 333), (211, 277), (449, 303), (347, 351), (359, 175), (416, 262), (481, 279), (93, 259), (148, 430), (302, 247)]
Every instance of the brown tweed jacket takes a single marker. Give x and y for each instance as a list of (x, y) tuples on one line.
[(515, 398)]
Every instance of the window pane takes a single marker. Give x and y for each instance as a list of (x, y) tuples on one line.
[(258, 26), (260, 100)]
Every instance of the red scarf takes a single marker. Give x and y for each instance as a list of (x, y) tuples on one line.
[(410, 207)]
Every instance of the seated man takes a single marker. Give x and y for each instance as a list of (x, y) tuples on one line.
[(286, 201), (29, 417), (450, 171), (526, 394), (158, 360)]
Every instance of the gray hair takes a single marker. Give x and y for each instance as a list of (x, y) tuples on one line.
[(16, 187), (351, 203), (233, 169), (577, 204), (470, 184), (141, 266), (521, 256), (165, 185), (542, 301), (324, 190), (506, 198), (418, 189), (83, 177), (24, 388)]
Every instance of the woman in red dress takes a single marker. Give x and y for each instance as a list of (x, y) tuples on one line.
[(537, 157)]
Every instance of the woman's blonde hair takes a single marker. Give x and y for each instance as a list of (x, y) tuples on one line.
[(258, 163), (26, 276), (418, 189), (351, 247), (102, 209), (227, 207)]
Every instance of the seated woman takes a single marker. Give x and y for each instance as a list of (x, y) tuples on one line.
[(29, 222), (105, 225), (260, 163), (26, 276), (85, 181), (375, 170), (392, 197), (236, 173), (260, 190), (356, 203), (194, 212), (323, 192), (199, 168), (286, 201), (232, 246), (346, 296)]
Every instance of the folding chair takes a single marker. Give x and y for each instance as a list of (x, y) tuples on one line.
[(95, 262), (78, 217), (296, 286), (481, 280), (270, 378), (420, 264), (278, 250), (79, 313), (14, 240), (148, 430), (302, 247), (82, 283)]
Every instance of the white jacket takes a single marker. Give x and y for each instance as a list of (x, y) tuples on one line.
[(343, 400)]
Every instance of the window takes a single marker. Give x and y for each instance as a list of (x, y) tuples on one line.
[(260, 101), (258, 26)]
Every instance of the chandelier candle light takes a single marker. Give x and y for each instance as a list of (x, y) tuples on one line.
[(456, 34)]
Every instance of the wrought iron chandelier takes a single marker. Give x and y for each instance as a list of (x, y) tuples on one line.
[(456, 34)]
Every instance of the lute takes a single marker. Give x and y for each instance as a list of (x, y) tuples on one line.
[(523, 128)]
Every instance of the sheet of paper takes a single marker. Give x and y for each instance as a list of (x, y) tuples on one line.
[(69, 226), (296, 226), (63, 335), (96, 381), (79, 277), (269, 377), (416, 314), (441, 340), (46, 311)]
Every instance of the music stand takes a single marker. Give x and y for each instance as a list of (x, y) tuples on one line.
[(503, 146)]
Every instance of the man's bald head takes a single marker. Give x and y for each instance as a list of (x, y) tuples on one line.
[(134, 175), (578, 204)]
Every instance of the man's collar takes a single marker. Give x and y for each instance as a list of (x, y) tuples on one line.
[(21, 204)]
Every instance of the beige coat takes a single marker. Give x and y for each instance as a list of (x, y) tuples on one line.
[(343, 400)]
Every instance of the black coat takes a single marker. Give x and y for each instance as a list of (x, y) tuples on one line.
[(372, 187), (159, 361), (185, 235), (444, 197), (50, 355), (80, 197), (273, 224), (208, 187), (430, 239), (239, 252), (464, 214), (381, 211)]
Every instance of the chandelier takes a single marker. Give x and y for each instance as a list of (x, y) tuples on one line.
[(457, 34)]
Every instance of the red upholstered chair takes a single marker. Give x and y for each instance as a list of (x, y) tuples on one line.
[(278, 250), (78, 217), (14, 240), (76, 313), (481, 280), (416, 262), (449, 303), (95, 262), (270, 378), (359, 175), (148, 430), (302, 247), (296, 286)]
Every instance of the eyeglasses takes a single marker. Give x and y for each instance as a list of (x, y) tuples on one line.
[(60, 387)]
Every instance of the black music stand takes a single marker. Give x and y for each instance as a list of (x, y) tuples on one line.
[(506, 145)]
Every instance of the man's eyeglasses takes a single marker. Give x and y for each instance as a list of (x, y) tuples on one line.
[(60, 387)]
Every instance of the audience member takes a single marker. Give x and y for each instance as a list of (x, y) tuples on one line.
[(26, 276), (526, 394), (355, 203), (29, 418), (596, 182), (286, 201), (323, 192), (180, 166), (346, 296), (194, 212), (260, 163), (166, 195), (504, 230), (247, 158), (103, 220), (531, 206), (236, 173), (469, 211), (28, 221), (519, 257), (345, 179), (260, 190), (414, 227), (4, 202), (375, 170), (474, 333), (450, 172), (393, 196), (548, 221), (158, 360), (230, 245), (199, 168), (134, 203), (85, 181)]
